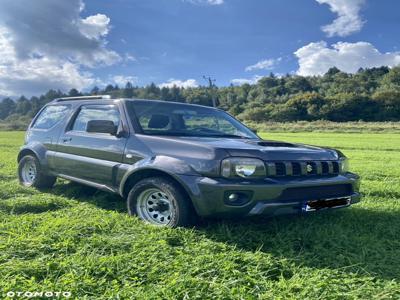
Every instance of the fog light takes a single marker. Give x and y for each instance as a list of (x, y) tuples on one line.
[(233, 197), (237, 198)]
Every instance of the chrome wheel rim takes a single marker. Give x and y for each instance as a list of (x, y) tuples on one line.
[(155, 206), (29, 172)]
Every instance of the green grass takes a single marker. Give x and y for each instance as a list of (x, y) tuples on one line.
[(80, 240), (326, 126)]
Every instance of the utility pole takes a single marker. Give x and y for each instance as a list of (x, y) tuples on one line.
[(211, 85)]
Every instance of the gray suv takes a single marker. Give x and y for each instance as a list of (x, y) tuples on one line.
[(174, 161)]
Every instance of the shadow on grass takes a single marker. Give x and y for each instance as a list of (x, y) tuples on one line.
[(90, 195), (4, 177), (354, 240), (35, 207)]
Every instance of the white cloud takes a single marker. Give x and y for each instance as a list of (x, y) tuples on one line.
[(35, 75), (241, 81), (129, 57), (317, 58), (94, 27), (190, 83), (206, 2), (215, 2), (54, 28), (46, 44), (122, 80), (348, 20), (267, 64)]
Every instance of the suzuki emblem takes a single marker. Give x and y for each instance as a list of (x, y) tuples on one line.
[(309, 168)]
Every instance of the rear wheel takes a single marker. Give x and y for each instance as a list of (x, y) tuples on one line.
[(160, 201), (30, 173)]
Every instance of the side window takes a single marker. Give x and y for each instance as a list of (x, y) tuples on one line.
[(50, 116), (95, 112)]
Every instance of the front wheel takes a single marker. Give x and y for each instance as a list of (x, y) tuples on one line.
[(30, 173), (159, 201)]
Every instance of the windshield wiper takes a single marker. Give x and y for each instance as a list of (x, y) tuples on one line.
[(192, 134), (226, 136)]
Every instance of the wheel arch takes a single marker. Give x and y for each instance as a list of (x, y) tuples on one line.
[(138, 175), (36, 149), (25, 152)]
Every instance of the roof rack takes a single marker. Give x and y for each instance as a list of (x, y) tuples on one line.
[(99, 97)]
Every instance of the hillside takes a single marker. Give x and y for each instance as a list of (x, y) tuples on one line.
[(369, 95)]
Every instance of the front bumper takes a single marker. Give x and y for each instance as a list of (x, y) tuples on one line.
[(269, 196)]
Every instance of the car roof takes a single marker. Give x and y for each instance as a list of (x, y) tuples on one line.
[(99, 100), (164, 102)]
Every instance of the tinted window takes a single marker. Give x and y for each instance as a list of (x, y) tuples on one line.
[(50, 116), (96, 112), (185, 120), (211, 122)]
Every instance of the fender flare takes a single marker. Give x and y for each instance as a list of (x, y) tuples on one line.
[(36, 149), (163, 164)]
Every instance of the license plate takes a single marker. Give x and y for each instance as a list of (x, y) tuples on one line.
[(314, 205)]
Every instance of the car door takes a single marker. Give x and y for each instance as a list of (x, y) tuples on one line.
[(90, 156)]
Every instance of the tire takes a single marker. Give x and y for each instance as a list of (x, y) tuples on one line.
[(160, 201), (30, 174)]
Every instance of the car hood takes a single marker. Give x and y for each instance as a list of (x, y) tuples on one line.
[(263, 149)]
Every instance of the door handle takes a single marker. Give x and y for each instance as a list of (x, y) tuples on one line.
[(66, 140)]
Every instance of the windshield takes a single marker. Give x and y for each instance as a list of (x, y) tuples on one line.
[(171, 119)]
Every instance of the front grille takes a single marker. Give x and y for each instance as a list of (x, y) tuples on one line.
[(280, 169), (302, 168), (325, 167), (296, 168), (316, 192)]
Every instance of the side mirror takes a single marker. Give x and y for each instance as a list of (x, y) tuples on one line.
[(101, 126)]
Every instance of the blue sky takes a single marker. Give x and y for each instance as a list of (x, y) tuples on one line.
[(65, 44)]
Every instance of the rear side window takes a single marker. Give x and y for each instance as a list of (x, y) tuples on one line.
[(50, 116), (95, 112)]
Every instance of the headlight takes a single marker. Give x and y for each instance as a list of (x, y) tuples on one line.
[(344, 165), (243, 167)]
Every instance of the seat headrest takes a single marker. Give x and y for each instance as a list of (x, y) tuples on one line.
[(158, 121)]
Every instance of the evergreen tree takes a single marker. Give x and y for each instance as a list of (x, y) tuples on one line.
[(7, 107)]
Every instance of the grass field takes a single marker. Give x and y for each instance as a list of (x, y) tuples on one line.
[(326, 126), (82, 241)]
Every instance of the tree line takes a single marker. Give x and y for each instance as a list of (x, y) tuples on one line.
[(368, 95)]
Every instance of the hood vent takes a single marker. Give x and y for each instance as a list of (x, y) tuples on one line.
[(275, 144)]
